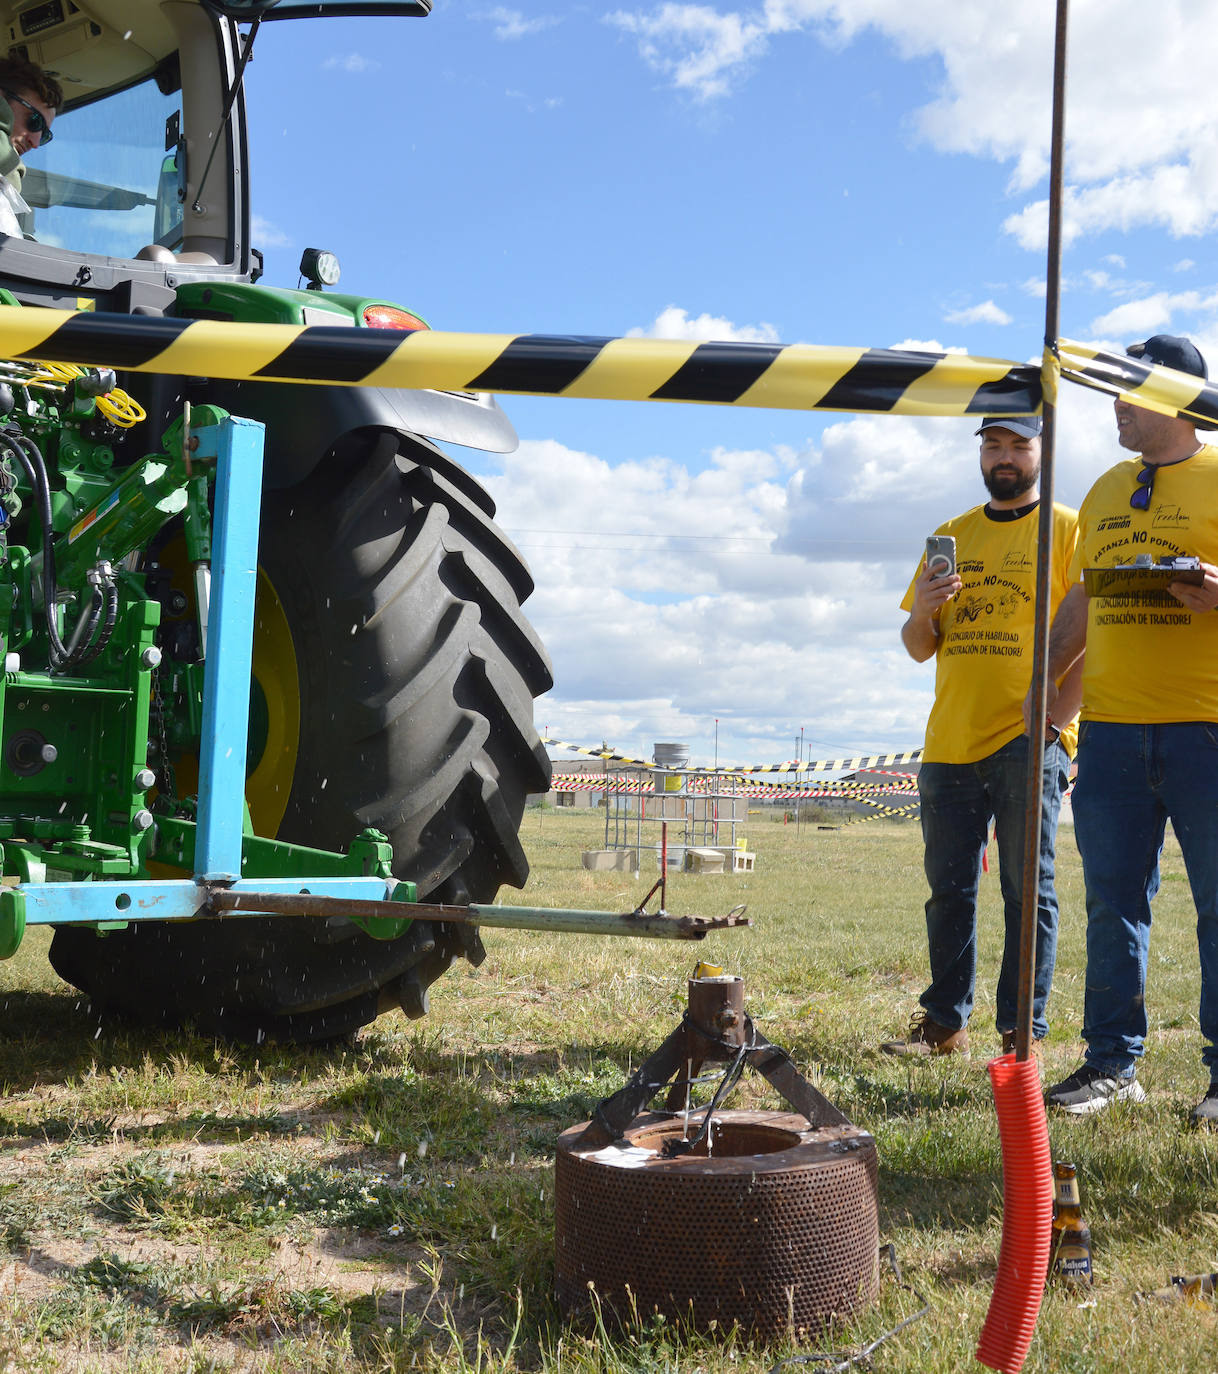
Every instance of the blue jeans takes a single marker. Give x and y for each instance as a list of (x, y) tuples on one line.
[(959, 800), (1132, 779)]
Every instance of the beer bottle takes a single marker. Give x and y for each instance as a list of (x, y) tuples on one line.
[(1194, 1290), (1071, 1249)]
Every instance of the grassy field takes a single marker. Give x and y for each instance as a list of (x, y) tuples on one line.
[(169, 1202)]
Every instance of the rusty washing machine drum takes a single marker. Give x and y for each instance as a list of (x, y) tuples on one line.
[(777, 1230)]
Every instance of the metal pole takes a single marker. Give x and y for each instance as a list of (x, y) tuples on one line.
[(1044, 551), (550, 919), (230, 644)]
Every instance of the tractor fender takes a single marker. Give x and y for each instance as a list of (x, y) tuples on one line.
[(304, 422)]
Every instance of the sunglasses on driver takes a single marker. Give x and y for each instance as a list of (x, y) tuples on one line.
[(35, 120)]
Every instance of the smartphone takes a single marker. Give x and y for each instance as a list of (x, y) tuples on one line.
[(941, 555)]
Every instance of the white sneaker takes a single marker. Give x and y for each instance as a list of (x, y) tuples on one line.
[(1091, 1089)]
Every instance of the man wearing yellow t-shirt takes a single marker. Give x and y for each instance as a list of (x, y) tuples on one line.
[(977, 624), (1148, 748)]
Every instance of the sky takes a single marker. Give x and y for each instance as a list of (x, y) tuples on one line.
[(865, 173)]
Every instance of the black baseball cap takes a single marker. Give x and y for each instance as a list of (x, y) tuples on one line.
[(1026, 426), (1170, 350)]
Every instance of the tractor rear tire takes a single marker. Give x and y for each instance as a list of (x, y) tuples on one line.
[(412, 713)]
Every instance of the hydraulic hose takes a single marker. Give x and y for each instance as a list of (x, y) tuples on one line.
[(28, 455), (1027, 1214), (85, 642), (93, 648), (86, 625)]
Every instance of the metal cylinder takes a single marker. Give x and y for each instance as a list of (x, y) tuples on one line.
[(673, 756), (777, 1229), (716, 1006), (671, 760)]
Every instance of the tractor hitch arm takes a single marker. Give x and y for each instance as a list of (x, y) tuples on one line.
[(638, 923)]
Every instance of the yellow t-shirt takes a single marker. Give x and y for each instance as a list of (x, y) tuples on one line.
[(1150, 660), (983, 660)]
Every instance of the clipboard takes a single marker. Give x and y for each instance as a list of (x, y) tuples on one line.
[(1137, 579)]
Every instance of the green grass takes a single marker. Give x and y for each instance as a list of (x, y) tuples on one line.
[(169, 1202)]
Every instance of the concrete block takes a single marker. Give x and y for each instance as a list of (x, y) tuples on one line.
[(611, 860), (704, 860)]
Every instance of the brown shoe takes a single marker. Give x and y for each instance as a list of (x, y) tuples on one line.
[(928, 1037), (1037, 1050)]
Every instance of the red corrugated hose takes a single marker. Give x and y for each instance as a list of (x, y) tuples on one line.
[(1027, 1214)]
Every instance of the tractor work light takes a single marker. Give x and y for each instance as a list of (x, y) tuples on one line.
[(319, 268)]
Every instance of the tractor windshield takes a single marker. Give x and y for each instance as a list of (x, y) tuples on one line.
[(109, 184)]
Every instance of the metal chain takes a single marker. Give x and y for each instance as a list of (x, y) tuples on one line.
[(165, 776)]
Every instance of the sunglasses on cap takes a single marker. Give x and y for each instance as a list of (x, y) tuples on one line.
[(1140, 500), (35, 121)]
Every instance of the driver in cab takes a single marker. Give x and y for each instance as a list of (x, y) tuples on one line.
[(31, 99)]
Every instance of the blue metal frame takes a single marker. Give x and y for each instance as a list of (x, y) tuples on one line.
[(237, 445), (180, 899)]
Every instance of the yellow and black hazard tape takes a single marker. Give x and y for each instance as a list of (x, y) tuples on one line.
[(884, 813), (781, 376), (773, 791), (793, 377), (1152, 386), (747, 769)]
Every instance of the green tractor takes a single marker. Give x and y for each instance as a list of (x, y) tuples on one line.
[(393, 674)]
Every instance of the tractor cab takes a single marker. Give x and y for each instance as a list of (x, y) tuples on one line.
[(145, 186)]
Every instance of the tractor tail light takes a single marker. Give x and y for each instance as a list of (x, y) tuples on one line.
[(391, 317)]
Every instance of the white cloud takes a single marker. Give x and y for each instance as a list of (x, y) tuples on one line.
[(352, 62), (676, 323), (877, 485), (987, 312), (693, 45), (512, 24), (267, 234), (664, 602), (1122, 288), (1151, 314), (1184, 265), (1147, 160), (1172, 197), (1134, 318), (926, 346), (662, 598)]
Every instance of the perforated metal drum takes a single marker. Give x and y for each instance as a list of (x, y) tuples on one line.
[(777, 1230)]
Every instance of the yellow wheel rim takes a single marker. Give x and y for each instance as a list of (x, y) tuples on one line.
[(269, 786)]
